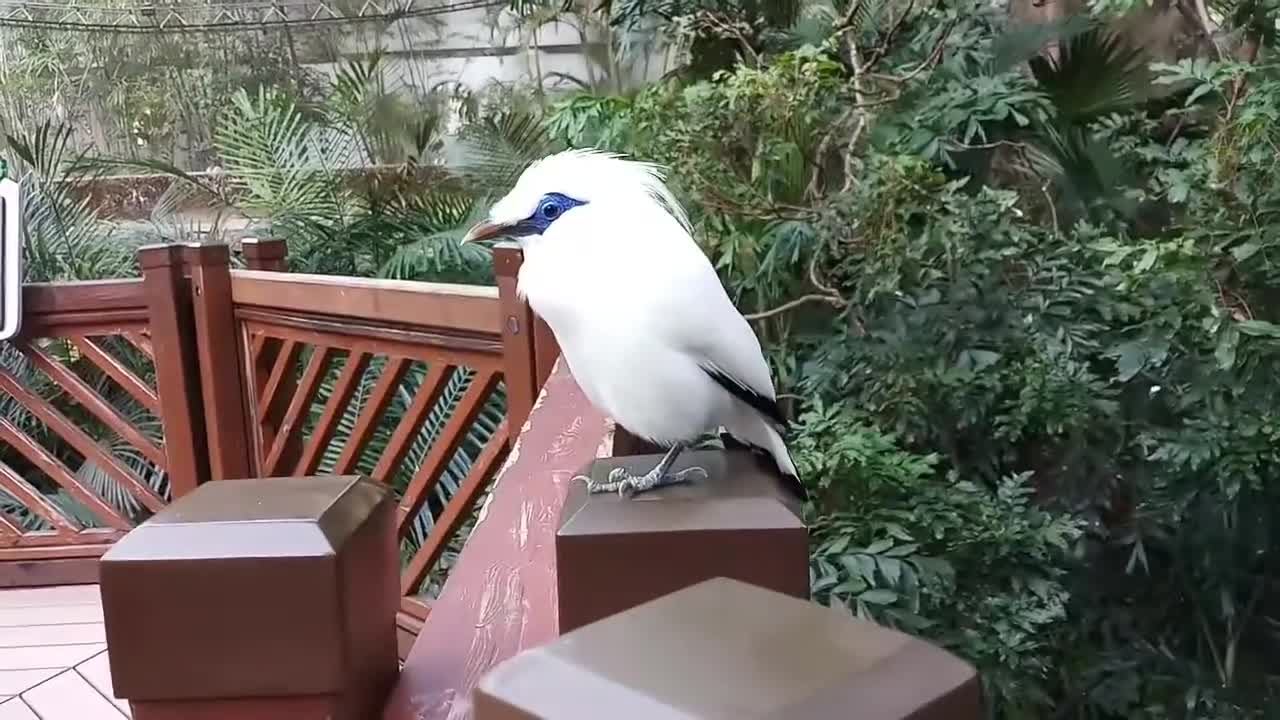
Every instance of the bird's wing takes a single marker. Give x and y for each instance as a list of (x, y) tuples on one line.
[(702, 321)]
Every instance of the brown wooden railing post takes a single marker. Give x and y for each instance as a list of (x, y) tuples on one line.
[(271, 255), (177, 366), (219, 350), (265, 254), (518, 338), (257, 599), (723, 649), (613, 553)]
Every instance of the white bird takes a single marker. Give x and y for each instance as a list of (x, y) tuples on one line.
[(638, 310)]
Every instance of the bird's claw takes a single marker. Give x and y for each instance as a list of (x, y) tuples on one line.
[(593, 486), (628, 485)]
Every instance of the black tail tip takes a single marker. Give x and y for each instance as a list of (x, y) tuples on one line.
[(790, 482), (795, 487)]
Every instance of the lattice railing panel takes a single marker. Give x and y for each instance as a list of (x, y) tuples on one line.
[(82, 457), (433, 430)]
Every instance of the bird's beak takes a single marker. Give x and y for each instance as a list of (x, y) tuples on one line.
[(483, 230)]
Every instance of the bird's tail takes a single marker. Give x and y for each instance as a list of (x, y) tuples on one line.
[(752, 430)]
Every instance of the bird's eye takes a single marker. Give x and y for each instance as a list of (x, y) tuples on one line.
[(549, 210)]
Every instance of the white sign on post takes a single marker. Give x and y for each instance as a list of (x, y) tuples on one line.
[(10, 259)]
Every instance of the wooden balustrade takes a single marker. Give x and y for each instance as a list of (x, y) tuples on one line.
[(490, 649), (306, 630), (93, 400), (406, 383), (200, 372), (501, 596)]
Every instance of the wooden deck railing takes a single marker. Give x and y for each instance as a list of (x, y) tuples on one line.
[(93, 401), (403, 382), (124, 394), (501, 597)]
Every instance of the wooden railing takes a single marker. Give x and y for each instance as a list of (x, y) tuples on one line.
[(124, 394), (501, 597), (403, 382), (93, 401)]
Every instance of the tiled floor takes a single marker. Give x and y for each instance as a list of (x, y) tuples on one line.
[(53, 656)]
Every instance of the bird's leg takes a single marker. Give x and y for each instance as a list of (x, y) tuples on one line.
[(630, 485)]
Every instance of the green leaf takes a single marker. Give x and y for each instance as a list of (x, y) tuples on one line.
[(1244, 251), (879, 596), (903, 550), (1225, 352), (1200, 91), (897, 531), (839, 545), (1131, 357), (936, 566), (1259, 328), (852, 586), (879, 546), (1148, 260), (891, 569)]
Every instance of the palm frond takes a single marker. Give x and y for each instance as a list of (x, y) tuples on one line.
[(456, 467), (389, 124), (432, 246), (1096, 72), (1023, 42), (63, 237), (21, 515), (285, 166), (496, 149), (1083, 168)]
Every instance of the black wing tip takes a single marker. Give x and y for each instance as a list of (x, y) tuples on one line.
[(795, 487), (765, 406)]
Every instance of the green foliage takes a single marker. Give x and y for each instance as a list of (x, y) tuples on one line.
[(63, 237), (139, 95), (305, 176), (976, 569), (1027, 308)]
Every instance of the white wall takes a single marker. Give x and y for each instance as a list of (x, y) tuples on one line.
[(475, 47)]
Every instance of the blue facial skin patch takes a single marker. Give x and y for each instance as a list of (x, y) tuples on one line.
[(551, 207)]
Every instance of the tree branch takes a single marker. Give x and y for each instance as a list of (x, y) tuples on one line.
[(804, 299), (1199, 17), (828, 295)]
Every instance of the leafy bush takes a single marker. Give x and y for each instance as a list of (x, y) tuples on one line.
[(1025, 307), (979, 570)]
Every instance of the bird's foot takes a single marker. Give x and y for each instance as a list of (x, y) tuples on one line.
[(629, 485)]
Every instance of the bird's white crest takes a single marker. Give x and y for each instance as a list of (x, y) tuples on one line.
[(588, 175)]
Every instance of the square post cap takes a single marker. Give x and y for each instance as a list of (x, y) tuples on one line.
[(727, 650), (613, 553), (255, 588)]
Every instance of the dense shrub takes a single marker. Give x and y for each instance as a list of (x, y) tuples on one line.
[(1026, 312)]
